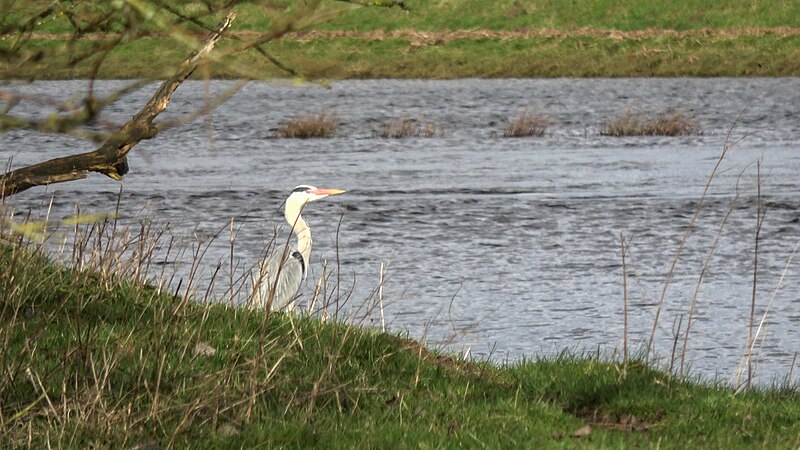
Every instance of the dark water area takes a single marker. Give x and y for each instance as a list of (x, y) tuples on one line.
[(510, 245)]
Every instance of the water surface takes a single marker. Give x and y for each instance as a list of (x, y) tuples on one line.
[(511, 245)]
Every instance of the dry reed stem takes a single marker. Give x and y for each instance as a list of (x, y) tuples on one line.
[(788, 382), (725, 149), (703, 270), (760, 213), (749, 351), (676, 336), (623, 251), (380, 294)]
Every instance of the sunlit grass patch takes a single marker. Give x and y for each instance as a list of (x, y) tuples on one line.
[(667, 123), (406, 127), (527, 124), (319, 125)]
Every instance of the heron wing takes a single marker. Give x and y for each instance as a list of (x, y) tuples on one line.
[(285, 264)]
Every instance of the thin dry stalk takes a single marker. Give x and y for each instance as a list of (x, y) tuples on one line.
[(703, 271), (365, 312), (380, 295), (725, 149), (760, 213), (200, 251), (47, 216), (624, 301), (631, 263), (676, 336), (76, 247), (320, 125), (231, 271), (527, 124), (762, 322), (318, 296), (788, 382), (338, 270)]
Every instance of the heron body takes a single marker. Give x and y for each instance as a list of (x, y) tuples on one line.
[(282, 273)]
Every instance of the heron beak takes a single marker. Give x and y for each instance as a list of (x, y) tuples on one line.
[(322, 191)]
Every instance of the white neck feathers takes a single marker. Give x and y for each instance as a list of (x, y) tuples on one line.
[(299, 227)]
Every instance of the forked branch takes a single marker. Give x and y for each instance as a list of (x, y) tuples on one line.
[(111, 158)]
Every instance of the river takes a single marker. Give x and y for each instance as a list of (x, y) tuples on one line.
[(498, 247)]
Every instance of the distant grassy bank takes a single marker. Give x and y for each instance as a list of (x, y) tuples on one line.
[(345, 58), (463, 38), (90, 359)]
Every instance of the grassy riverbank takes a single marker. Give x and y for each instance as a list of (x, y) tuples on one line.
[(458, 38), (93, 360)]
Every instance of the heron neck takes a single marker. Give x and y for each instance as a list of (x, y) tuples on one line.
[(301, 230)]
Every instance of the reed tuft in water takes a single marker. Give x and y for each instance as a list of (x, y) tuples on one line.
[(667, 123), (407, 127), (527, 124), (320, 125)]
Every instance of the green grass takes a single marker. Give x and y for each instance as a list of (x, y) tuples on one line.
[(435, 15), (94, 360), (622, 15), (565, 55), (342, 58)]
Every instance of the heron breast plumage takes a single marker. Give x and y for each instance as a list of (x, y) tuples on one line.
[(283, 271)]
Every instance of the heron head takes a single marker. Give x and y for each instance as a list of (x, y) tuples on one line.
[(305, 193)]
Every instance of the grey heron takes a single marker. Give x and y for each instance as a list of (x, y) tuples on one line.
[(285, 269)]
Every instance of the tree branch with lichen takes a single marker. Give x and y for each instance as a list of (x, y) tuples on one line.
[(110, 158)]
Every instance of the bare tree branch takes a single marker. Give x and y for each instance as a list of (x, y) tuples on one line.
[(174, 11), (210, 105), (111, 158), (79, 113)]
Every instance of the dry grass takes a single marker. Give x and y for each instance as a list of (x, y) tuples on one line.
[(406, 127), (667, 123), (320, 125), (145, 326), (110, 349), (526, 124)]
